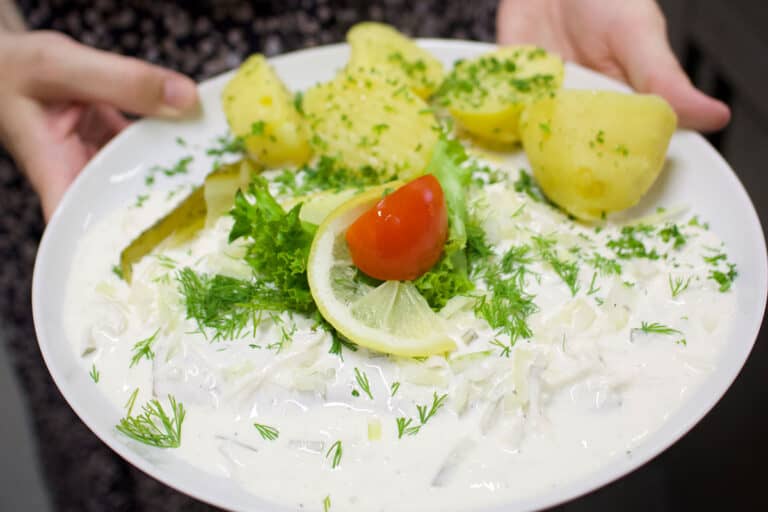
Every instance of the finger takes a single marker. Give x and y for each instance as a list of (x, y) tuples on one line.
[(99, 124), (651, 67), (50, 162), (64, 70)]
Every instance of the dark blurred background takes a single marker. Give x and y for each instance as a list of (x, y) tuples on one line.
[(50, 461)]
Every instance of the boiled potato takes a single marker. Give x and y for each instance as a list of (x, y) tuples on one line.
[(486, 95), (364, 119), (381, 46), (597, 151), (260, 110)]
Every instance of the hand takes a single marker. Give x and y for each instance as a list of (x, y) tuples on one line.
[(61, 101), (623, 39)]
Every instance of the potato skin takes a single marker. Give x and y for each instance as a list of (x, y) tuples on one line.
[(365, 118), (260, 109), (596, 152), (486, 95), (399, 57)]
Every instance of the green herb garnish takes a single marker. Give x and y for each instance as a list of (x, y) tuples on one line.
[(658, 328), (94, 373), (336, 449), (154, 426), (268, 433), (143, 349), (362, 381)]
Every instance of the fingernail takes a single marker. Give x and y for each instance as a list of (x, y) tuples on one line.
[(180, 94)]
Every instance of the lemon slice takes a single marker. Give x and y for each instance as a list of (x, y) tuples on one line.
[(392, 317)]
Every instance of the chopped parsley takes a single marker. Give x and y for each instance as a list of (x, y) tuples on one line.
[(672, 232), (725, 275), (628, 244), (180, 167), (154, 426)]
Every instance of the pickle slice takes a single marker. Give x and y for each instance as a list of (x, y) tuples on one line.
[(200, 208)]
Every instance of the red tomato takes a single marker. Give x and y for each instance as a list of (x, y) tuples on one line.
[(403, 235)]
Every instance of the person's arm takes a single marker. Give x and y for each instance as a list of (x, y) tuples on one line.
[(623, 39), (61, 101)]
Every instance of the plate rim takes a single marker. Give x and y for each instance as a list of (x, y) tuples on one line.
[(580, 486)]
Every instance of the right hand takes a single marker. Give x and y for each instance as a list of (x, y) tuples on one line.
[(61, 101)]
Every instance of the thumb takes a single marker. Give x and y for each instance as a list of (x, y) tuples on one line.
[(61, 69), (651, 67)]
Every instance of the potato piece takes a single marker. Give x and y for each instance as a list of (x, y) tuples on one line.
[(363, 119), (260, 110), (597, 151), (486, 95), (381, 46)]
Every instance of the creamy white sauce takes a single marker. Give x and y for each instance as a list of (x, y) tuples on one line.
[(587, 388)]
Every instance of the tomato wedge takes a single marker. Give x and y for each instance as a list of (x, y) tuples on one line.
[(403, 235)]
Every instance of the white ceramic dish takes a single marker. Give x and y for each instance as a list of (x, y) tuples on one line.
[(696, 175)]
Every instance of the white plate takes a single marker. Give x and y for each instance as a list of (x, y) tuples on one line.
[(696, 175)]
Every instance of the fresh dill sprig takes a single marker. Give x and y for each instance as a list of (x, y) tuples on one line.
[(408, 426), (506, 350), (362, 381), (425, 414), (131, 402), (606, 266), (395, 386), (678, 285), (338, 342), (592, 288), (567, 270), (227, 305), (143, 349), (337, 451), (404, 427), (94, 373), (166, 261), (268, 433), (525, 184), (507, 307), (658, 328), (154, 426)]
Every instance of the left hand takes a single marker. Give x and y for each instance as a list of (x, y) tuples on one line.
[(625, 39)]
